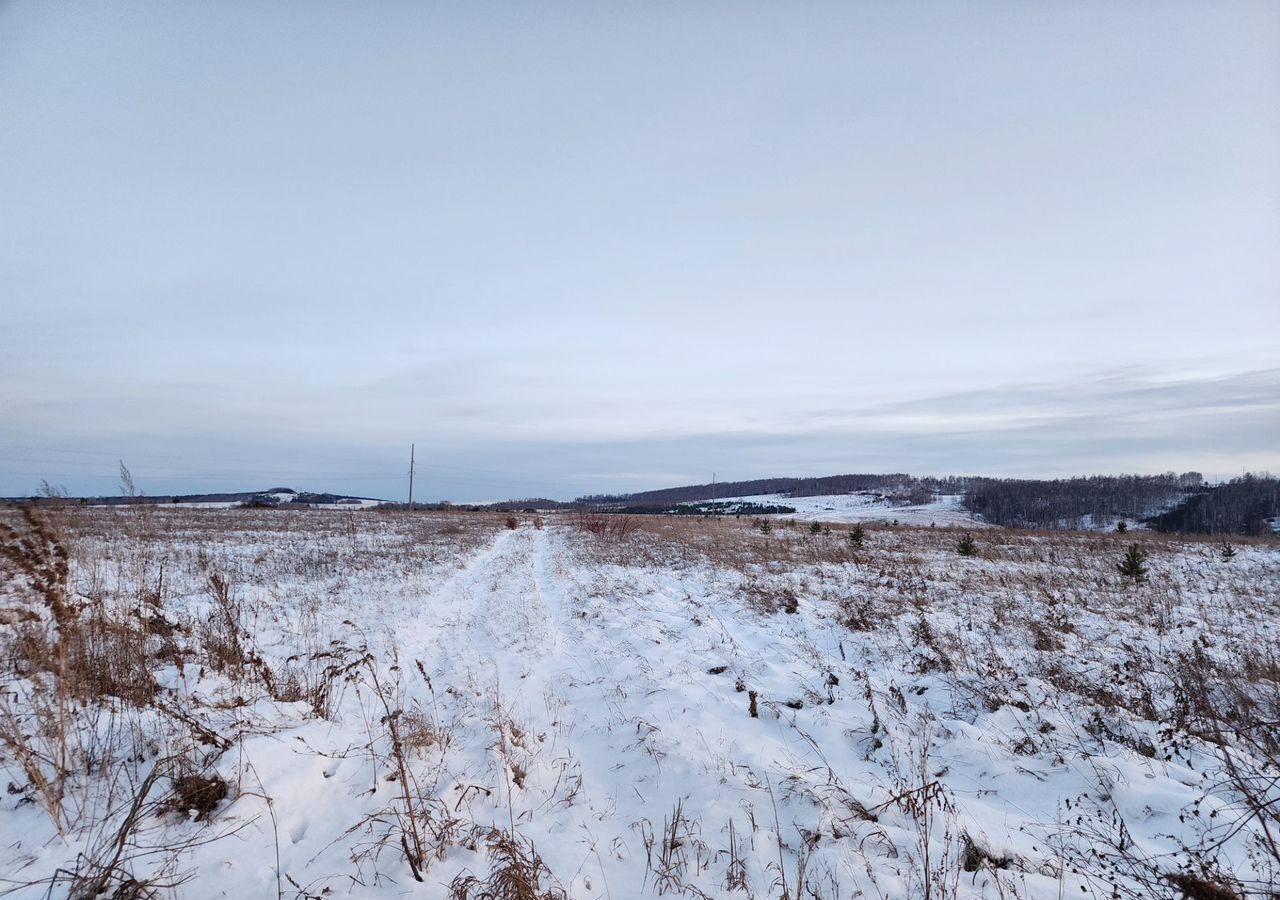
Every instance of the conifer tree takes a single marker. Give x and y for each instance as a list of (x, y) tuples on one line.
[(1132, 566)]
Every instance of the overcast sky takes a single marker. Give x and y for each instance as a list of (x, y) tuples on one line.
[(571, 248)]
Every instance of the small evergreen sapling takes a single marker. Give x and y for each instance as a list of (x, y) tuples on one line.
[(1122, 526), (1132, 566), (1228, 551), (967, 545), (857, 536)]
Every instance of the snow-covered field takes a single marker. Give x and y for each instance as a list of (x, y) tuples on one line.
[(864, 506), (367, 704)]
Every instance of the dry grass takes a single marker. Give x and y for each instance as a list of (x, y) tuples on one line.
[(1188, 656), (86, 623), (197, 795), (516, 872), (900, 568)]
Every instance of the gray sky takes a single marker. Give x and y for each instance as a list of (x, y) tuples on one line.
[(596, 247)]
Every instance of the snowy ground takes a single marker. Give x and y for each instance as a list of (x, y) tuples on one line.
[(865, 506), (924, 725)]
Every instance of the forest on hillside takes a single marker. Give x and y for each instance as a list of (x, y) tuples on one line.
[(1175, 503), (1245, 506), (1075, 502)]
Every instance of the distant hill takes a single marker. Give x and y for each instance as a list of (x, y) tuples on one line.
[(895, 483), (274, 497), (1169, 502)]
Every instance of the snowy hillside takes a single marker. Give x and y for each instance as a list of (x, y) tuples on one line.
[(440, 705), (867, 506)]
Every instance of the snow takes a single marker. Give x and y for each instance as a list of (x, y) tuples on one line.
[(593, 695), (865, 506)]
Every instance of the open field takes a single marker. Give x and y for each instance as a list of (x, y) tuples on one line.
[(324, 703)]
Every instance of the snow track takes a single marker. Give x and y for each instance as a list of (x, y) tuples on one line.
[(629, 695)]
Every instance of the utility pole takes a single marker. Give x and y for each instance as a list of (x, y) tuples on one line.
[(713, 487), (411, 449)]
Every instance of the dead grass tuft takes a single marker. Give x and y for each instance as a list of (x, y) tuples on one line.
[(1195, 888), (516, 872), (198, 796)]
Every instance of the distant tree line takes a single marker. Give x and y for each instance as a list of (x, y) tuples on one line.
[(1067, 502), (135, 500), (269, 499), (692, 493), (707, 509), (1246, 506), (531, 504)]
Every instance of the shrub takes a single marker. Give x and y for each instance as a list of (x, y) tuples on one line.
[(513, 522), (790, 603), (857, 536), (616, 525), (967, 546)]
